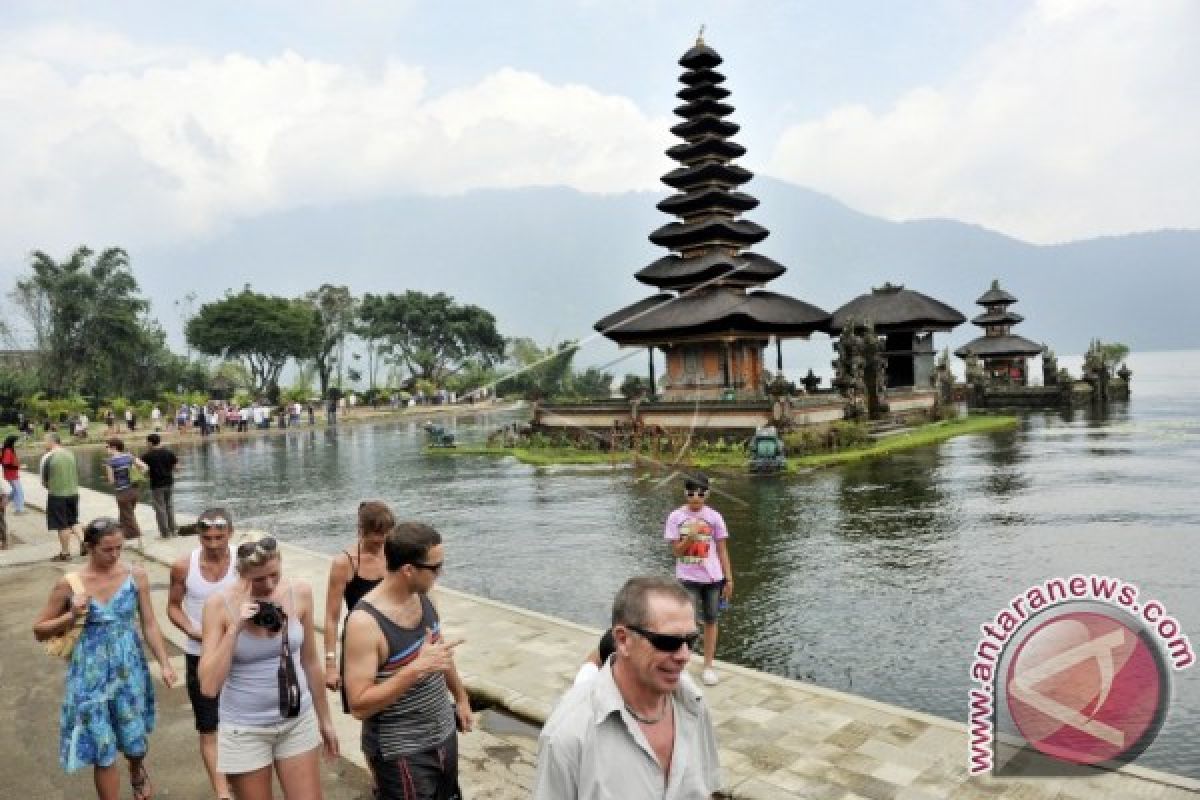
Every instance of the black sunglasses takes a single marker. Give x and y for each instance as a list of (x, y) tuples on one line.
[(267, 544), (696, 492), (434, 568), (666, 642), (205, 524)]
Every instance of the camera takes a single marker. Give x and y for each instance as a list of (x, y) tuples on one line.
[(269, 616)]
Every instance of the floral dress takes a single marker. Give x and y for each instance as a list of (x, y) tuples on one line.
[(108, 705)]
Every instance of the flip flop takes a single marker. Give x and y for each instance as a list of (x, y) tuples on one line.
[(61, 557), (140, 783)]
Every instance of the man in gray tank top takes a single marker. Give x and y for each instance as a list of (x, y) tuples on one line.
[(400, 674), (206, 570)]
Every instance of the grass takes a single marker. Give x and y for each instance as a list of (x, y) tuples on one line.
[(930, 433)]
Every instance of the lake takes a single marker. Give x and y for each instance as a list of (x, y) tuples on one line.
[(872, 578)]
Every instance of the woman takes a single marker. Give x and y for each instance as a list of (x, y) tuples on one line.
[(12, 472), (119, 471), (351, 577), (247, 631), (108, 705)]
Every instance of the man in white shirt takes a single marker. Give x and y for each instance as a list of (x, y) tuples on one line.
[(640, 728)]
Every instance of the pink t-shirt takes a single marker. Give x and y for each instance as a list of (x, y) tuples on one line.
[(706, 527)]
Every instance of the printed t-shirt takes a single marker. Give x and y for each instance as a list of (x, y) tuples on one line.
[(121, 464), (706, 527)]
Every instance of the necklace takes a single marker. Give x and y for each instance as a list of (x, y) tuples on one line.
[(649, 720)]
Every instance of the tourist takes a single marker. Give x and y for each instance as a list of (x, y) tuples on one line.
[(595, 742), (156, 418), (60, 477), (243, 419), (161, 464), (697, 535), (596, 659), (110, 421), (194, 578), (351, 577), (108, 704), (259, 654), (400, 673), (5, 496), (11, 463), (119, 471), (129, 420)]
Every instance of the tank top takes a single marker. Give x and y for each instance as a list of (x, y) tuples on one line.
[(197, 590), (358, 586), (250, 695), (420, 719)]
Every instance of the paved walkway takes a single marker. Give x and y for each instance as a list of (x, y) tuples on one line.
[(779, 738)]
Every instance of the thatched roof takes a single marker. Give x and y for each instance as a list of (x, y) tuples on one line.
[(893, 308), (997, 346), (750, 269), (995, 295)]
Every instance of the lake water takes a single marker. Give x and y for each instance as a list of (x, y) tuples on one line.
[(872, 578)]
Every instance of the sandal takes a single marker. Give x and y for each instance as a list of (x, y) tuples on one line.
[(61, 557), (139, 781)]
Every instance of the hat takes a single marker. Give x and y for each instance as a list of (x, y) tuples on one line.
[(697, 481)]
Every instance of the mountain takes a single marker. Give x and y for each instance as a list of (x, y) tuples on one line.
[(549, 262)]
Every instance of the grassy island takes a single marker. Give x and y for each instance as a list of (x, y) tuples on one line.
[(734, 457)]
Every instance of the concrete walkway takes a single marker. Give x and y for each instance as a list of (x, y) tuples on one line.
[(779, 738)]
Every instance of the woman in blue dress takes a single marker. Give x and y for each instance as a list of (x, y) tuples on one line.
[(108, 704)]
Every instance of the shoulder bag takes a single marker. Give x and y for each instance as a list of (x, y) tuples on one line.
[(63, 645)]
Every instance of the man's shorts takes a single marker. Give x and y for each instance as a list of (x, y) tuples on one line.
[(431, 775), (204, 709), (707, 597), (247, 748), (62, 512)]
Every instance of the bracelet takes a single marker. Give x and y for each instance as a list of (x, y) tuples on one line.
[(331, 656)]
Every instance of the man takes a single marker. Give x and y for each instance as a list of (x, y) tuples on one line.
[(399, 674), (156, 418), (60, 477), (640, 728), (696, 535), (161, 464), (209, 568)]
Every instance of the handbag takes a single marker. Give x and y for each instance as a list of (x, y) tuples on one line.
[(63, 645), (289, 686)]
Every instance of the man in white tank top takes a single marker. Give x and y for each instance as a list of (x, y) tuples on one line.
[(208, 569)]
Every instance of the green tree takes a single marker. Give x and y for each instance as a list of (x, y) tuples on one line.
[(336, 309), (634, 386), (537, 372), (89, 322), (262, 329), (1111, 353), (433, 336), (592, 383)]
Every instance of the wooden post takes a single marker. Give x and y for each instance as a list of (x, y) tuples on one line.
[(653, 383), (728, 358), (779, 355)]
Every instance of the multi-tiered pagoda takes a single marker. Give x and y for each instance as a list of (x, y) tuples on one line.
[(710, 318), (1002, 352)]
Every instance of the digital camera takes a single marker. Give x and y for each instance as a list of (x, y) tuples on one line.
[(269, 616)]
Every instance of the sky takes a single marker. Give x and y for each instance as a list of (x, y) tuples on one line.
[(146, 123)]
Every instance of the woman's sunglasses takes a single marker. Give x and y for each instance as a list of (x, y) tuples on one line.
[(666, 642), (267, 544)]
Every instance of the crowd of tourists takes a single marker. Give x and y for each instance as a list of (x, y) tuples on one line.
[(633, 725)]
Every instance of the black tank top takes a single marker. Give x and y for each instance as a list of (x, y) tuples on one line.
[(358, 586)]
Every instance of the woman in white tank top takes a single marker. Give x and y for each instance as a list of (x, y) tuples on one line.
[(244, 645)]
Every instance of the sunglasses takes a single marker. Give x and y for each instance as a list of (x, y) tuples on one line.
[(434, 568), (696, 492), (666, 642), (267, 544), (205, 524), (101, 526)]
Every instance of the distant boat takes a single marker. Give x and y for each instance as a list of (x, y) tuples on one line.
[(437, 436), (767, 452)]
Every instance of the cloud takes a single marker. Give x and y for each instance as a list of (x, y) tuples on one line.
[(132, 145), (1079, 121)]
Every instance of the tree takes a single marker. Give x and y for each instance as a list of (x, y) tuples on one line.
[(336, 310), (592, 383), (536, 372), (264, 330), (634, 386), (1111, 353), (89, 323), (433, 336)]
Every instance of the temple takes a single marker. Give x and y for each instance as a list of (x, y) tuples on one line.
[(1002, 352), (710, 318)]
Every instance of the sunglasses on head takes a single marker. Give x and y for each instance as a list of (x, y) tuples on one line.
[(696, 492), (217, 522), (666, 642), (434, 568), (101, 526), (267, 544)]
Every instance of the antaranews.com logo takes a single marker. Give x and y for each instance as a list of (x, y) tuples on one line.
[(1077, 669)]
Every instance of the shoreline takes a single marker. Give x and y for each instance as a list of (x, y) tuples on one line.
[(926, 434)]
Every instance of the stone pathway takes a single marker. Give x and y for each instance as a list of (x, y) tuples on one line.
[(779, 738)]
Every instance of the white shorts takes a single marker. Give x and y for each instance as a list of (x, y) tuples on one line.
[(246, 748)]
